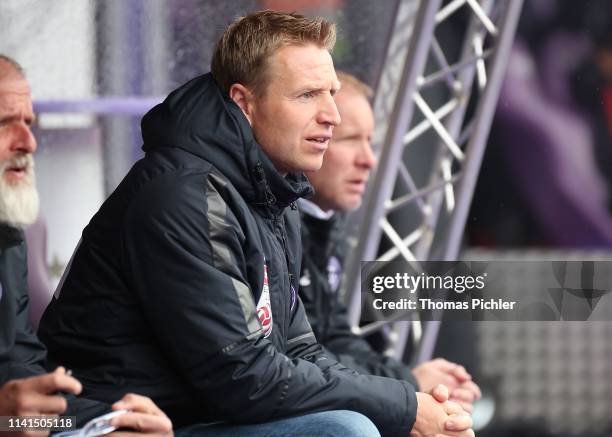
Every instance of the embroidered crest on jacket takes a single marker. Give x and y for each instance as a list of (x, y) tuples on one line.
[(264, 308)]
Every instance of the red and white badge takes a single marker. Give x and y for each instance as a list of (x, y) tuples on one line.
[(264, 308)]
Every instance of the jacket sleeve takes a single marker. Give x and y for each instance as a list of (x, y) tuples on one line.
[(328, 317), (377, 390), (184, 249), (25, 354), (356, 353)]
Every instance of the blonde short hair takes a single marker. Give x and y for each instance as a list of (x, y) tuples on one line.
[(347, 80), (242, 53)]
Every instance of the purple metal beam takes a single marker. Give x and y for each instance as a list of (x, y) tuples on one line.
[(99, 105)]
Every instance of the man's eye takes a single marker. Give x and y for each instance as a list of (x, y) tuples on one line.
[(308, 94)]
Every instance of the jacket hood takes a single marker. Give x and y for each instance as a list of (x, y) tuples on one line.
[(199, 119)]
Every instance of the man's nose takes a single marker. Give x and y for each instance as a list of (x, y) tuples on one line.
[(328, 114), (366, 157), (24, 141)]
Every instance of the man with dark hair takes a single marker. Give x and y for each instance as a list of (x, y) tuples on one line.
[(339, 187), (25, 386), (184, 285)]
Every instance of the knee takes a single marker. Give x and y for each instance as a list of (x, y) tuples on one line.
[(347, 423)]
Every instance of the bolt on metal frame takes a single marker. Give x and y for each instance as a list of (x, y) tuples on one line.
[(426, 221)]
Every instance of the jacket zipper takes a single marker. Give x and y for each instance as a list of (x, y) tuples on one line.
[(281, 227)]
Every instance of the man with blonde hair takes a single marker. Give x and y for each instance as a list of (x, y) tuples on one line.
[(339, 187), (184, 285)]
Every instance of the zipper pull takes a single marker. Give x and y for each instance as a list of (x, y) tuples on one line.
[(260, 175)]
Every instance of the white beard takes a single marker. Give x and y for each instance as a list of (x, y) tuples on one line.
[(19, 201)]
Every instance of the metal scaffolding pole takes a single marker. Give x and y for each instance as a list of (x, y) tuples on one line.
[(399, 120), (456, 150)]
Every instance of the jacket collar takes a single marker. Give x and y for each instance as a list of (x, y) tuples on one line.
[(312, 209), (9, 236)]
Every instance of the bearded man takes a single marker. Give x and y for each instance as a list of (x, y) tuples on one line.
[(26, 389)]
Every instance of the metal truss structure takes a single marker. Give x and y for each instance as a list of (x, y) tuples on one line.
[(434, 107)]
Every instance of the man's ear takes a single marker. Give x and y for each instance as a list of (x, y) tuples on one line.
[(243, 98)]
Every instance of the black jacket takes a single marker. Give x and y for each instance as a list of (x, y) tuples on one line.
[(22, 355), (324, 251), (163, 293)]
